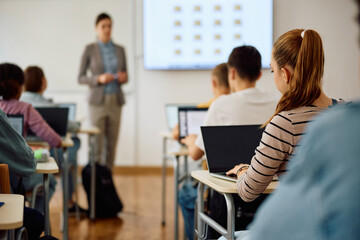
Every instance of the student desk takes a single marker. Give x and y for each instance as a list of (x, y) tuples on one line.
[(47, 168), (173, 154), (63, 161), (91, 131), (226, 188), (11, 213)]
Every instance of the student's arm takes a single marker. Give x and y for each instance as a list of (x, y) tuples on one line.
[(40, 127), (275, 145), (83, 78), (14, 151), (194, 151)]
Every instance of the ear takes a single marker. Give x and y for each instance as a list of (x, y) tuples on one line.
[(286, 74), (213, 82), (232, 73)]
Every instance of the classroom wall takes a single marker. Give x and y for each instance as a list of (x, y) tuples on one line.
[(53, 34)]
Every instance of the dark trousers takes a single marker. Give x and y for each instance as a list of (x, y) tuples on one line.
[(33, 222)]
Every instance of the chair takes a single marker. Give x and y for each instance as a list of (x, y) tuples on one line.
[(4, 179), (5, 188)]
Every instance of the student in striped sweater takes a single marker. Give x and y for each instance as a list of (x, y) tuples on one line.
[(297, 62)]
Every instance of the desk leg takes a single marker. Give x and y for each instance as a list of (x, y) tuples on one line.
[(187, 178), (46, 204), (12, 234), (163, 183), (230, 216), (176, 191), (93, 176), (200, 232), (65, 176)]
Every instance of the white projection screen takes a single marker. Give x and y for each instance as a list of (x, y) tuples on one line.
[(199, 34)]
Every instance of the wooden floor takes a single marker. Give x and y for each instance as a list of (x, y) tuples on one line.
[(140, 218)]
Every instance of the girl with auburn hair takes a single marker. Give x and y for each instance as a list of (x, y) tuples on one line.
[(297, 63)]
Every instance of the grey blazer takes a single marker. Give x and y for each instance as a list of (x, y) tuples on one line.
[(92, 60)]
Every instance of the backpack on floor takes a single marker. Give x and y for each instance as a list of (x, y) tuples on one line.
[(107, 201)]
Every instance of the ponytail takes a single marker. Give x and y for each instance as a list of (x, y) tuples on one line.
[(303, 51)]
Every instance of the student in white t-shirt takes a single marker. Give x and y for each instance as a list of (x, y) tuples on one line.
[(245, 105)]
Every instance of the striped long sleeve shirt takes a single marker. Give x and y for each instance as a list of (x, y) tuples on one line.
[(277, 145)]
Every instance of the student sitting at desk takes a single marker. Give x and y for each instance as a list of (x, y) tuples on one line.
[(35, 85), (297, 62), (245, 105), (20, 159), (219, 86), (11, 84)]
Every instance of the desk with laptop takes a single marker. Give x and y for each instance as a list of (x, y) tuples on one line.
[(225, 147)]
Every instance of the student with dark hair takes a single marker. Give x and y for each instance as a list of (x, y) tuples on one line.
[(245, 105), (11, 84), (106, 63), (14, 150)]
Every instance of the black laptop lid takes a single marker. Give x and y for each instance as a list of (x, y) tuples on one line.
[(190, 120), (226, 146), (56, 117)]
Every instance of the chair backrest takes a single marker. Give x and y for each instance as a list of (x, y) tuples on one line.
[(4, 179)]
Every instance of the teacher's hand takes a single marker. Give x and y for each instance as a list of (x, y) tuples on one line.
[(105, 78), (122, 77)]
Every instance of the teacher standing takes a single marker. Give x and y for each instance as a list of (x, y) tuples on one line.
[(107, 64)]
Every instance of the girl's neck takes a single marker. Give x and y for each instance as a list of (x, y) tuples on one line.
[(322, 101)]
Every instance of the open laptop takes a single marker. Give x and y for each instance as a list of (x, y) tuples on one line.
[(227, 146), (56, 117), (190, 120), (72, 110), (17, 122), (171, 110)]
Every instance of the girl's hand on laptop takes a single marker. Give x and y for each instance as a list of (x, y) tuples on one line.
[(238, 170)]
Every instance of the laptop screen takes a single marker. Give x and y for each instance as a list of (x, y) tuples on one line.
[(227, 146), (17, 122), (72, 110), (190, 120), (56, 117)]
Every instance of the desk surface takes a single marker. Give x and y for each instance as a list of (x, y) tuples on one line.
[(11, 213), (67, 142), (221, 185), (47, 167), (89, 130)]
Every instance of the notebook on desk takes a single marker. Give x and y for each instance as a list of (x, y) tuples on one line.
[(190, 120), (56, 117), (227, 146), (17, 122)]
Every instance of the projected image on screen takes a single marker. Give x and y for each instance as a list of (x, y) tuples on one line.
[(199, 34)]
